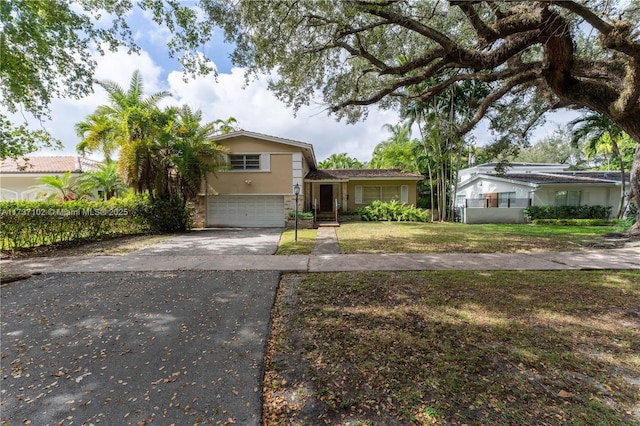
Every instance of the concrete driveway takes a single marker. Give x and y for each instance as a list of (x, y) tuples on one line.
[(219, 241), (134, 348)]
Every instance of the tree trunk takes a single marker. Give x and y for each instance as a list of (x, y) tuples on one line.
[(616, 151), (634, 186), (558, 48)]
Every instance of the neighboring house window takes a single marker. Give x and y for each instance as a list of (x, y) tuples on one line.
[(568, 198), (244, 161), (369, 194), (460, 200), (506, 199)]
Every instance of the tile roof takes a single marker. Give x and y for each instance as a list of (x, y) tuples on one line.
[(53, 164), (346, 174)]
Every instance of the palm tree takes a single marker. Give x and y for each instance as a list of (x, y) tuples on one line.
[(340, 161), (136, 122), (193, 154), (226, 126), (58, 188), (105, 180), (395, 152), (601, 135), (440, 122), (98, 133)]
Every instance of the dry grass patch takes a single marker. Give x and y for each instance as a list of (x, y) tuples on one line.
[(453, 347), (394, 237)]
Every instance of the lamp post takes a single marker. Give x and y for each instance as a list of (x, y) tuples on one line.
[(296, 190)]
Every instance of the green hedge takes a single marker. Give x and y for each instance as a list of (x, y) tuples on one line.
[(34, 223), (567, 212), (575, 222), (301, 215), (393, 210)]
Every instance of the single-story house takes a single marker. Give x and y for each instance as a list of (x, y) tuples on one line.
[(484, 196), (19, 178), (257, 189)]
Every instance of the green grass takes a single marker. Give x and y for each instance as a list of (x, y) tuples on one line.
[(287, 245), (394, 237), (432, 347)]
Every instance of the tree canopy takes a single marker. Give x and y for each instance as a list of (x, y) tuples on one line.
[(532, 55), (340, 161)]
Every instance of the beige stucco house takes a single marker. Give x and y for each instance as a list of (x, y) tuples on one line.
[(257, 189), (19, 178)]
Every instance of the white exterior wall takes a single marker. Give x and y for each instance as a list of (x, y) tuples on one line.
[(591, 196), (16, 187), (493, 215), (480, 187)]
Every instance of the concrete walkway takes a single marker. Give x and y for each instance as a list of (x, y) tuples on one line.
[(326, 241), (182, 253), (628, 258)]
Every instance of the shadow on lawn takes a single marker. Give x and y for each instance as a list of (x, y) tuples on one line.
[(425, 347)]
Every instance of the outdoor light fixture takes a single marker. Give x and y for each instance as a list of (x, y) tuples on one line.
[(296, 190)]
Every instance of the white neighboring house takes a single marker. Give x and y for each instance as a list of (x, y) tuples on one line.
[(485, 196), (18, 179)]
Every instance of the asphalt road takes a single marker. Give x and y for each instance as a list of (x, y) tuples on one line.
[(134, 348)]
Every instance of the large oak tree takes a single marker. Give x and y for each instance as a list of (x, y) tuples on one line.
[(356, 53), (571, 54)]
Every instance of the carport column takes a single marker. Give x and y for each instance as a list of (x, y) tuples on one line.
[(296, 179)]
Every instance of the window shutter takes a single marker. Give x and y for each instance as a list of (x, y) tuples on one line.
[(265, 162), (358, 194), (404, 194)]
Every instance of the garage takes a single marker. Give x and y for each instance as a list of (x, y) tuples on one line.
[(260, 211)]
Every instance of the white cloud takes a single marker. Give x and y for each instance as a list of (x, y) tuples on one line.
[(257, 110), (115, 66)]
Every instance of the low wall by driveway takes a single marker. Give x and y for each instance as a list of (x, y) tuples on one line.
[(493, 215)]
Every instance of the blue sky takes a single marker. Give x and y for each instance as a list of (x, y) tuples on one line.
[(255, 108)]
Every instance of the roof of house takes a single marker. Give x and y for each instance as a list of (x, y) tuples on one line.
[(511, 165), (306, 147), (52, 164), (568, 177), (346, 174)]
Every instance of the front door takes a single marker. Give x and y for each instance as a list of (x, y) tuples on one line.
[(491, 200), (326, 198)]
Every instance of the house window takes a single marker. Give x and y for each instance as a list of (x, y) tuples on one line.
[(244, 161), (568, 198), (369, 194), (506, 199)]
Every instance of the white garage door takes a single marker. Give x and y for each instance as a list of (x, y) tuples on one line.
[(261, 211)]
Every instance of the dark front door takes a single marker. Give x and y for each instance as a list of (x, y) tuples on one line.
[(326, 198)]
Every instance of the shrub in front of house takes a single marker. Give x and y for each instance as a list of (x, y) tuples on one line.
[(169, 214), (533, 213), (27, 224), (301, 215), (393, 211)]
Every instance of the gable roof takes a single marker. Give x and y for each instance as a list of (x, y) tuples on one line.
[(536, 179), (307, 148), (52, 164), (347, 174), (568, 177)]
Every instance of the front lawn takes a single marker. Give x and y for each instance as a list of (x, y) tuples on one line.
[(398, 237), (453, 347), (306, 239)]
